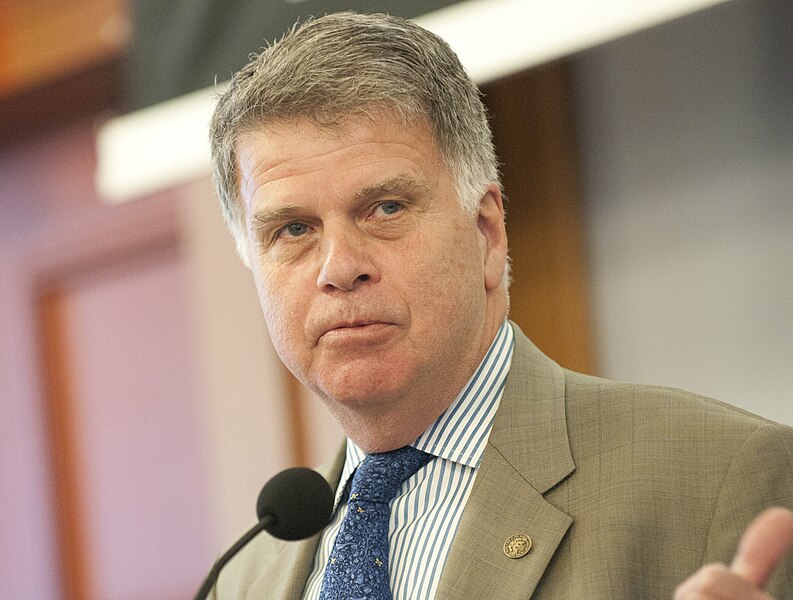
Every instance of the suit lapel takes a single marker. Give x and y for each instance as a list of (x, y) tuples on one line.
[(284, 575), (528, 453)]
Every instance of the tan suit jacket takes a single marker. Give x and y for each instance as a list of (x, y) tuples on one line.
[(624, 490)]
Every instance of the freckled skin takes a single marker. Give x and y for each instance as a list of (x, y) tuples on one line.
[(380, 293)]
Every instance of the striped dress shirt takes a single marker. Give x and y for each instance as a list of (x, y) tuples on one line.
[(428, 507)]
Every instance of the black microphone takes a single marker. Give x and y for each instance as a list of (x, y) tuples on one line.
[(293, 505)]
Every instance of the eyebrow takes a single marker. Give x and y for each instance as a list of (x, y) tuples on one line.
[(401, 184), (285, 213)]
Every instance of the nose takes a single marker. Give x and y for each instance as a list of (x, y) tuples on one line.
[(344, 263)]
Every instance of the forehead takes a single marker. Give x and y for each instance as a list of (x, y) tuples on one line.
[(360, 152)]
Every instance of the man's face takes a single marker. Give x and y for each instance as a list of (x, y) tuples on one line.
[(378, 289)]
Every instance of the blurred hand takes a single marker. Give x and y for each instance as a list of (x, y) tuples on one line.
[(763, 544)]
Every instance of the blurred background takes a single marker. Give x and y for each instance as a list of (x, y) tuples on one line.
[(649, 169)]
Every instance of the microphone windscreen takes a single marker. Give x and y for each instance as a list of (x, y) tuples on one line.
[(298, 501)]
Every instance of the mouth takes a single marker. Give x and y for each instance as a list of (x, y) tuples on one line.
[(353, 329)]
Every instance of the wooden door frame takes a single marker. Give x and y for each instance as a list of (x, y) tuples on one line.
[(531, 118), (40, 273)]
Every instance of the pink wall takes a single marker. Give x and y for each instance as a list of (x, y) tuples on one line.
[(138, 439)]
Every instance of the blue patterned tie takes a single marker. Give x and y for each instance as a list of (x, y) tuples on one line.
[(358, 565)]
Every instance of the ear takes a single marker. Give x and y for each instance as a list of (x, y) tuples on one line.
[(490, 223)]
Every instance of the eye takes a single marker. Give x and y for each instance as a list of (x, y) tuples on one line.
[(295, 229), (390, 207)]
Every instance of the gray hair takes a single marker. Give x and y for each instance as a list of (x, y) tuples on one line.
[(347, 64)]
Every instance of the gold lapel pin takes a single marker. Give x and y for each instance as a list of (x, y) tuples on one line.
[(517, 546)]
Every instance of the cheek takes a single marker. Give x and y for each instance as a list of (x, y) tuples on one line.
[(460, 260), (281, 306), (442, 279)]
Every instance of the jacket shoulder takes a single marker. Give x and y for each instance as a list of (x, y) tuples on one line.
[(664, 480), (657, 407)]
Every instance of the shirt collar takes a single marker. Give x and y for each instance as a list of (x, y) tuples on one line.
[(460, 433)]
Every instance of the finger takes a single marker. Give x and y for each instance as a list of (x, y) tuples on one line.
[(763, 544), (717, 582)]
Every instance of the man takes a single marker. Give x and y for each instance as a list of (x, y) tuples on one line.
[(356, 171)]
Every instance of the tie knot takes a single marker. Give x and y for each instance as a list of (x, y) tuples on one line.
[(380, 475)]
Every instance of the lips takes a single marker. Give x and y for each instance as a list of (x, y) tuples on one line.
[(350, 327)]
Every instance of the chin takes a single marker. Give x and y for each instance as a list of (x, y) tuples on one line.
[(356, 387), (357, 392), (361, 397)]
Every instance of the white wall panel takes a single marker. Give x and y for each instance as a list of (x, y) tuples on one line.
[(687, 153)]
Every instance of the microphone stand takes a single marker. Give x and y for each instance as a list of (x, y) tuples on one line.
[(214, 572)]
